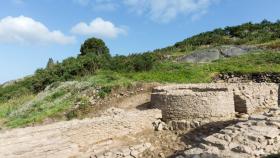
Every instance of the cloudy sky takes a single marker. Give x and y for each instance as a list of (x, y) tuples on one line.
[(31, 31)]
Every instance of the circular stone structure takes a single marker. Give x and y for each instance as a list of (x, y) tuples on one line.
[(193, 102)]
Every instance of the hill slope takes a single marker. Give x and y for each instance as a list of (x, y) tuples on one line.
[(263, 34), (69, 89)]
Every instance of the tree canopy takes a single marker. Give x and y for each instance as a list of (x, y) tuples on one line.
[(95, 46)]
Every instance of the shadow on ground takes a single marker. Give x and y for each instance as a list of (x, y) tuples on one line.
[(195, 137), (145, 106)]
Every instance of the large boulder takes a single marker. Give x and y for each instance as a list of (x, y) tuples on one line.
[(230, 51), (208, 55), (202, 56)]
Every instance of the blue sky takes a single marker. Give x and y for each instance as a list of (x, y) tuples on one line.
[(31, 31)]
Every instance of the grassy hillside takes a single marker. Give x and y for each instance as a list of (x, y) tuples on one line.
[(58, 100), (66, 90), (263, 34)]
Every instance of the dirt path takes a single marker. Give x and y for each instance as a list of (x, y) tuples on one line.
[(78, 138)]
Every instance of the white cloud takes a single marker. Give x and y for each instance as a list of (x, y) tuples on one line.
[(98, 28), (98, 5), (25, 30), (104, 6), (157, 10), (167, 10), (82, 2)]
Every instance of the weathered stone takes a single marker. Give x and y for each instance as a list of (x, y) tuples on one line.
[(257, 117), (193, 102), (221, 144), (159, 125), (258, 139), (243, 149), (208, 55), (78, 138), (197, 102)]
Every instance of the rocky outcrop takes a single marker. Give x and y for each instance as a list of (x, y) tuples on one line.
[(256, 137), (208, 55), (201, 56)]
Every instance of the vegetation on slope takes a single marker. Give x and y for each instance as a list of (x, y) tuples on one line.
[(48, 94), (245, 34), (61, 98)]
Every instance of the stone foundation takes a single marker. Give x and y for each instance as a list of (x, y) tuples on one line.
[(199, 102), (249, 98), (193, 103)]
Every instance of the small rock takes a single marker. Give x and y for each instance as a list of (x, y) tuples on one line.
[(242, 149), (159, 125), (257, 117), (161, 155)]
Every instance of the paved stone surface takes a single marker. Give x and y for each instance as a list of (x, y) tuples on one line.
[(251, 138), (78, 138)]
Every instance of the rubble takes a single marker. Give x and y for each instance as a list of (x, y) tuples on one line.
[(256, 137)]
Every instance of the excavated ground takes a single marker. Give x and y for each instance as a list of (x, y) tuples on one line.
[(127, 130)]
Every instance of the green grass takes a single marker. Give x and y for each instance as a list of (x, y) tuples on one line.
[(13, 104), (108, 79), (251, 63), (168, 72), (39, 112), (51, 103), (28, 109), (173, 73)]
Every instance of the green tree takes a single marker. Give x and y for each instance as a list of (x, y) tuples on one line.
[(50, 63), (96, 47)]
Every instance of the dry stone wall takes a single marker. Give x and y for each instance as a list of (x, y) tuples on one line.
[(197, 102), (185, 103), (252, 97)]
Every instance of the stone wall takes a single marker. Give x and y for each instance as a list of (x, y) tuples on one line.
[(198, 102), (189, 102), (259, 77), (252, 97)]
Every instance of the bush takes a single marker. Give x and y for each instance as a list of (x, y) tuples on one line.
[(247, 33), (70, 69), (134, 62)]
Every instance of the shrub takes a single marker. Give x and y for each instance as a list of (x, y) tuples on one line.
[(134, 62)]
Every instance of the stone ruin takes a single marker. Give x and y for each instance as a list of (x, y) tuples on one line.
[(191, 105)]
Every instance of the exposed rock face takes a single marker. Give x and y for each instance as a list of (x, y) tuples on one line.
[(202, 56), (256, 137), (80, 138), (195, 104), (208, 55)]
